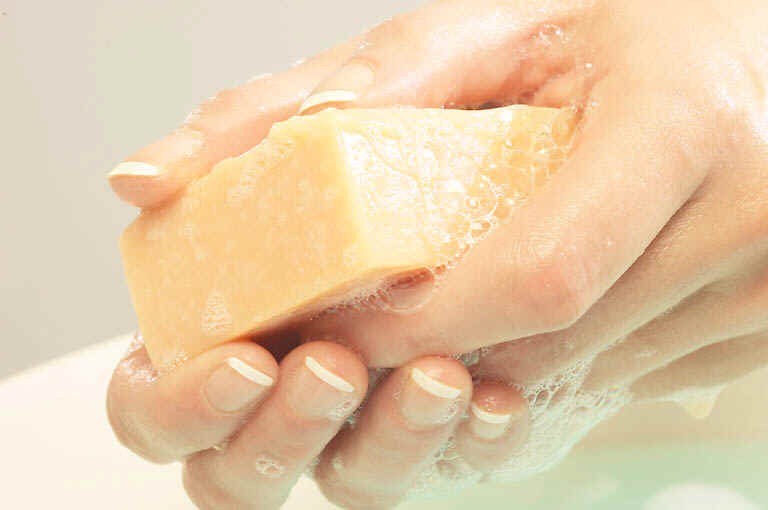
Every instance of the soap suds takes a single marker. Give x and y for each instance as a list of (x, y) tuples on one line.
[(461, 191), (460, 188), (268, 467), (216, 319), (561, 414)]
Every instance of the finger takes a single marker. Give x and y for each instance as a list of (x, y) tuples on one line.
[(559, 253), (321, 384), (404, 424), (696, 254), (717, 313), (497, 426), (456, 53), (228, 124), (706, 370), (195, 407)]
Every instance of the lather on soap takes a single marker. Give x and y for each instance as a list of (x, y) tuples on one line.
[(326, 208)]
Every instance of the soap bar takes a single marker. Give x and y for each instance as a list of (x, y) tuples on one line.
[(325, 209)]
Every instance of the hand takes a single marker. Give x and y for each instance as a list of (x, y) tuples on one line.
[(245, 434), (661, 202), (654, 230), (652, 236)]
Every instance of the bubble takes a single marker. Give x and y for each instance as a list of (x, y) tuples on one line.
[(135, 367), (470, 358), (173, 364), (268, 467), (342, 410), (481, 228), (450, 413), (461, 190), (137, 343), (216, 319), (550, 33)]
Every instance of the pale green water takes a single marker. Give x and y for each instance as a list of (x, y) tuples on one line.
[(627, 479)]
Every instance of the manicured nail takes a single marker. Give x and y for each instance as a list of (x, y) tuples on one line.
[(235, 384), (489, 425), (410, 292), (326, 98), (345, 86), (135, 168), (495, 418), (434, 386), (327, 376), (425, 401), (317, 392)]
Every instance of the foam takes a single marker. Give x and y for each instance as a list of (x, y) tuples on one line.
[(439, 182), (561, 414), (268, 467), (478, 191)]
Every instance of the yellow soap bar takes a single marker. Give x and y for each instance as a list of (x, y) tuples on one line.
[(326, 208)]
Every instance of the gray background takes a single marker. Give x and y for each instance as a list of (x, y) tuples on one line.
[(83, 83)]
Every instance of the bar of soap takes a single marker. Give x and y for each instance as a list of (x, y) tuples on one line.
[(326, 208)]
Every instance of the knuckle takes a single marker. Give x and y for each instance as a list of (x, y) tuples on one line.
[(153, 430), (396, 28), (200, 486), (126, 411), (401, 30), (556, 283), (168, 430), (341, 493), (130, 433)]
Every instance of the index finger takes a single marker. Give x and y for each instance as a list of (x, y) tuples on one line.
[(228, 124)]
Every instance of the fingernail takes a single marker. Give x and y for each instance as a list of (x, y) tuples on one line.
[(235, 384), (425, 401), (489, 425), (318, 392), (487, 417), (326, 98), (327, 376), (135, 168), (410, 292), (347, 85)]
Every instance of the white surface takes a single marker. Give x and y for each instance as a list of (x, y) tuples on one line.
[(59, 451), (699, 497)]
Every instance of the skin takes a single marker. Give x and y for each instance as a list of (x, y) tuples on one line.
[(648, 251)]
